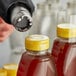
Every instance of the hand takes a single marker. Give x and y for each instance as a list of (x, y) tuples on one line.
[(5, 30)]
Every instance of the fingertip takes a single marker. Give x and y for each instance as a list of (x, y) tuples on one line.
[(1, 20)]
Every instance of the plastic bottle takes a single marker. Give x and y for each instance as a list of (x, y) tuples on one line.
[(37, 19), (3, 72), (11, 69), (62, 15), (36, 61), (71, 11), (17, 46), (64, 50), (48, 24)]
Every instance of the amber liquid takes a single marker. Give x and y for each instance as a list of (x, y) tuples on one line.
[(72, 68), (36, 65), (60, 51)]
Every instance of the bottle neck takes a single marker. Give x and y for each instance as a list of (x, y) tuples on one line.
[(37, 52), (70, 40)]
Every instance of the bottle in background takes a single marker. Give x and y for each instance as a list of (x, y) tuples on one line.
[(11, 69), (17, 46), (45, 19), (36, 61), (37, 19), (71, 11), (64, 50), (48, 24), (3, 72), (62, 15)]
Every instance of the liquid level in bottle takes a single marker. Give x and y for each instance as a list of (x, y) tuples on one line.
[(34, 65)]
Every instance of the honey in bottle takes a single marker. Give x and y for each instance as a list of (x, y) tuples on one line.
[(36, 61), (64, 50)]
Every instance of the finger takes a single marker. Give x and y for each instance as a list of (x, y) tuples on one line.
[(6, 28), (5, 25), (1, 20), (9, 27)]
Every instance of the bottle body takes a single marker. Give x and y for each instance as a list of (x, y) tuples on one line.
[(36, 61), (36, 65), (64, 51), (61, 52)]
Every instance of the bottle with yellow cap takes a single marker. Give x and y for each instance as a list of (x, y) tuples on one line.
[(3, 72), (11, 69), (64, 50), (36, 61)]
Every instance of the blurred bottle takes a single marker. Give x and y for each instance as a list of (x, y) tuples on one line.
[(48, 24), (37, 18), (11, 69), (71, 11), (62, 15), (3, 72), (45, 19), (64, 50), (17, 46), (55, 8)]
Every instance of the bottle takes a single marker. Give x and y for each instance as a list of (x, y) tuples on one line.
[(18, 13), (11, 69), (36, 61), (71, 11), (17, 46), (62, 15), (48, 24), (55, 8), (64, 50), (3, 72), (37, 19)]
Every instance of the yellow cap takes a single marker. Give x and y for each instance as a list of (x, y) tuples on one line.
[(37, 42), (66, 30), (11, 69), (3, 72)]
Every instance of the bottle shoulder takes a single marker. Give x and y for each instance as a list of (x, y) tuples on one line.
[(63, 40), (41, 57)]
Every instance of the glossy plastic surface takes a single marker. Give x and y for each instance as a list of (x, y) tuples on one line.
[(36, 65), (64, 54)]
